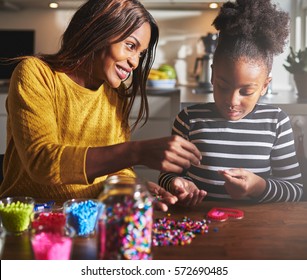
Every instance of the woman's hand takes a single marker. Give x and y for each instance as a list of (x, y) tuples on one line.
[(162, 197), (186, 192), (168, 154), (240, 183)]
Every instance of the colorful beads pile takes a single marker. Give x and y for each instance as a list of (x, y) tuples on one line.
[(16, 216), (51, 246), (127, 231), (50, 239), (82, 215), (167, 232), (51, 220)]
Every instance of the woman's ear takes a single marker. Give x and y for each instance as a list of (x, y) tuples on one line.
[(265, 85)]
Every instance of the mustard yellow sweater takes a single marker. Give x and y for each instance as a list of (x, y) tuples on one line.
[(51, 123)]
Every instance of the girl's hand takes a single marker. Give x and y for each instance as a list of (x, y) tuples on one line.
[(187, 192), (162, 197), (240, 183)]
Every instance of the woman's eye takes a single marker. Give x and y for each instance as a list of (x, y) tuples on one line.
[(131, 46)]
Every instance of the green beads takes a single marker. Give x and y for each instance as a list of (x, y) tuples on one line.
[(16, 215)]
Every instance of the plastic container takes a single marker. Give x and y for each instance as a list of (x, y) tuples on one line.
[(82, 215), (16, 213), (125, 228), (52, 242), (2, 240)]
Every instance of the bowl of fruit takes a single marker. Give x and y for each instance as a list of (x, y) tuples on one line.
[(163, 77)]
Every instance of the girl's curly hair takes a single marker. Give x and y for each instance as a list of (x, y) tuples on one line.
[(254, 29)]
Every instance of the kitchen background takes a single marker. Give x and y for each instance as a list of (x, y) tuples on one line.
[(181, 23)]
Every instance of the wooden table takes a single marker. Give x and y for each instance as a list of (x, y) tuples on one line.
[(270, 231)]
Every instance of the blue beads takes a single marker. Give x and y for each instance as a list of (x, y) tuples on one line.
[(82, 215)]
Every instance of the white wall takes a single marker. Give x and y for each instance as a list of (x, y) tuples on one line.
[(48, 24), (180, 31), (184, 28)]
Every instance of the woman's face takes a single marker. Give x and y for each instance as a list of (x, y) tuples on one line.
[(238, 85), (116, 63)]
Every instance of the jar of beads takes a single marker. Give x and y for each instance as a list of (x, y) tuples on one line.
[(16, 213), (51, 241), (51, 238), (82, 215), (125, 228)]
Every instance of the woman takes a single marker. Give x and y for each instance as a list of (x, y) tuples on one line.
[(247, 147), (68, 112)]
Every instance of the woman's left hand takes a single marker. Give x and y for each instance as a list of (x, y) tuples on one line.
[(241, 183), (163, 198)]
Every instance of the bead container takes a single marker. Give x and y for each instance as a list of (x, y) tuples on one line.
[(82, 215), (16, 213), (51, 241), (125, 229), (2, 240)]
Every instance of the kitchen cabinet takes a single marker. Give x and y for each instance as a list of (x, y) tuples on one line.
[(164, 105)]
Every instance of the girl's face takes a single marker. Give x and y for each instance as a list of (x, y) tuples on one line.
[(116, 63), (238, 85)]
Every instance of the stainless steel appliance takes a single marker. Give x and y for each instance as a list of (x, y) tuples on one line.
[(202, 67)]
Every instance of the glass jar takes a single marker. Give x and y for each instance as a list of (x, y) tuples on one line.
[(125, 228), (51, 241), (82, 215), (16, 213)]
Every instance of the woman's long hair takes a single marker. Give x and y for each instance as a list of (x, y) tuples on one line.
[(93, 27)]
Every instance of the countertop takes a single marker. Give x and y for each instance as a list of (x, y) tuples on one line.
[(287, 100)]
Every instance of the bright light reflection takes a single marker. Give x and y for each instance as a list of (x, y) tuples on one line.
[(213, 5), (53, 5)]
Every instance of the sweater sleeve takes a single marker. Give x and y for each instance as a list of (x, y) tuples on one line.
[(285, 182), (34, 127), (181, 127)]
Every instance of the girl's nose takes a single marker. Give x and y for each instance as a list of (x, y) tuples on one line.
[(234, 99)]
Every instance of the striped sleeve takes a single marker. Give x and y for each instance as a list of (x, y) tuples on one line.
[(181, 127), (261, 142), (285, 182)]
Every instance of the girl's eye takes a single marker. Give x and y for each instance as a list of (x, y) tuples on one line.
[(246, 92)]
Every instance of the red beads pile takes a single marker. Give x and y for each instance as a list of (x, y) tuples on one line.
[(167, 232), (50, 220)]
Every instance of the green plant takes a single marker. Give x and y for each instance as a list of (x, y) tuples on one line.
[(297, 61)]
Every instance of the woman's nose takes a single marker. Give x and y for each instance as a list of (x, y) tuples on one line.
[(133, 61)]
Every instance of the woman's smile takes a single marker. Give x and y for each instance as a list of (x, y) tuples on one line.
[(122, 73)]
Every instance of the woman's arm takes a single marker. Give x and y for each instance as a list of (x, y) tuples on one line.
[(168, 154)]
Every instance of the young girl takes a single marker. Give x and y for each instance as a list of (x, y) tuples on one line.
[(247, 148)]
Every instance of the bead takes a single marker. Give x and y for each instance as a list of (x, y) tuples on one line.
[(168, 232)]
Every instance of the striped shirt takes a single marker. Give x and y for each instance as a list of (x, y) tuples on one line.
[(261, 142)]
